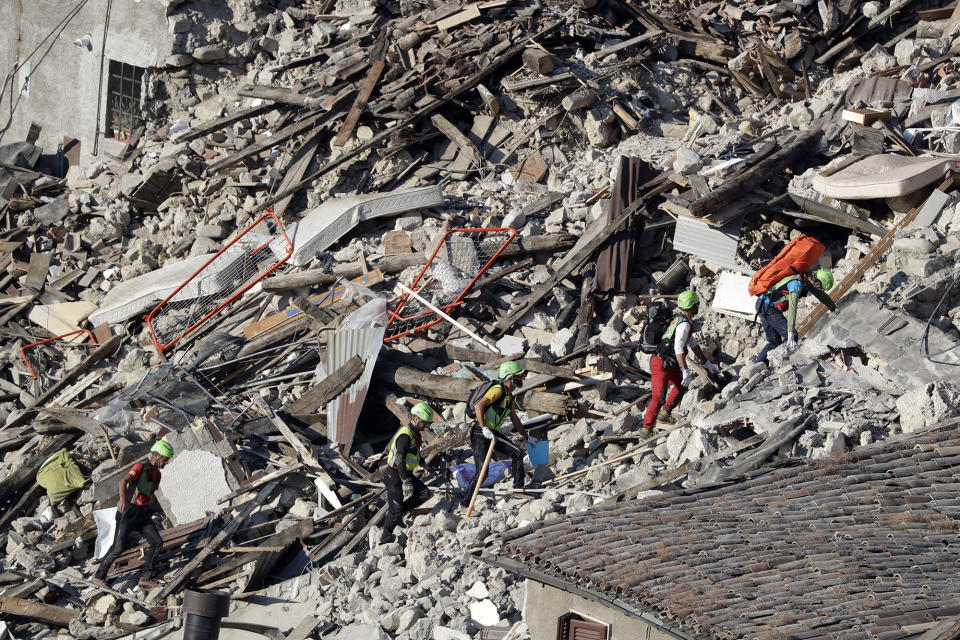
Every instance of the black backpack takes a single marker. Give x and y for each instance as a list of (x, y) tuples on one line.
[(478, 393), (656, 323)]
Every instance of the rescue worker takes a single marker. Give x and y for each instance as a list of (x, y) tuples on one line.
[(133, 513), (784, 295), (672, 369), (404, 490), (490, 412)]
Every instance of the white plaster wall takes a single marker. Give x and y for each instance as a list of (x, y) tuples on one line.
[(66, 81), (544, 605)]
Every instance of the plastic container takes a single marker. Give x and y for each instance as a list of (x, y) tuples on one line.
[(539, 453)]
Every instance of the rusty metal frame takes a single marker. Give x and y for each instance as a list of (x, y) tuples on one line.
[(23, 351), (239, 292), (394, 315)]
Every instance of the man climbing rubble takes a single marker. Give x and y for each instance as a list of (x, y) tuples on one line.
[(490, 411), (133, 514), (669, 365), (784, 295), (404, 490)]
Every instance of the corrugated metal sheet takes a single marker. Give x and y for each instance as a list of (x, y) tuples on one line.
[(344, 410), (614, 263), (716, 245)]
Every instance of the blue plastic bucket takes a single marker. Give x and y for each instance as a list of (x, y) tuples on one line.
[(539, 453)]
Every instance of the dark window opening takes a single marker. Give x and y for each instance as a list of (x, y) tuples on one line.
[(573, 627), (124, 85)]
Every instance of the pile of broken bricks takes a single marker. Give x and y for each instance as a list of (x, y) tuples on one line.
[(681, 149)]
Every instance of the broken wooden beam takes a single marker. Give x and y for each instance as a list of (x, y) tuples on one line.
[(800, 149), (538, 61), (328, 388), (457, 137), (360, 103), (578, 100), (465, 86), (307, 124), (458, 389), (585, 247), (215, 543), (38, 612), (398, 262)]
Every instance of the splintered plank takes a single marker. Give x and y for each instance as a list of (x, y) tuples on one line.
[(283, 318), (215, 543), (287, 132), (276, 94), (215, 125), (366, 90), (37, 272), (328, 388), (46, 613)]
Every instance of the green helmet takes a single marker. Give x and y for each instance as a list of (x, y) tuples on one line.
[(688, 299), (423, 411), (508, 369), (163, 448), (825, 276)]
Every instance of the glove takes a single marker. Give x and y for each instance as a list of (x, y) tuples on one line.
[(407, 489), (712, 368), (487, 433), (791, 341), (531, 440), (685, 382)]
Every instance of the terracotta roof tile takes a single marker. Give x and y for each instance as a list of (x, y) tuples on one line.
[(857, 548)]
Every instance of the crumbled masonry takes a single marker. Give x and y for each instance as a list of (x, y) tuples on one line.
[(540, 173)]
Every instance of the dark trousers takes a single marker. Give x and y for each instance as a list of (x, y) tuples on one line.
[(396, 505), (480, 444), (774, 325), (134, 518), (661, 379)]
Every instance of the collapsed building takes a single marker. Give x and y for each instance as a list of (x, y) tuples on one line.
[(262, 230)]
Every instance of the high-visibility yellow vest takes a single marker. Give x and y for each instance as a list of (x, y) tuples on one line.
[(498, 411), (413, 453)]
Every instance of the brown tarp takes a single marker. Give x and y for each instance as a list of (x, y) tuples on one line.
[(615, 260)]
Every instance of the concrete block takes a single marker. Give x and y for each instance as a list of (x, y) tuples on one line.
[(485, 613), (183, 475), (928, 405)]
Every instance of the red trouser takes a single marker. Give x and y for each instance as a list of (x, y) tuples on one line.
[(660, 379)]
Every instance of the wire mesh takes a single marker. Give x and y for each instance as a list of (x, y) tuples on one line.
[(460, 258), (260, 249)]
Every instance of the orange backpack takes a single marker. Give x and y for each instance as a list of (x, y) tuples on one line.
[(800, 255)]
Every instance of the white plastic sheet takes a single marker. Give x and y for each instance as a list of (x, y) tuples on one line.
[(106, 521)]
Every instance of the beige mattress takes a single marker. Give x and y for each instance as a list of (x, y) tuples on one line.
[(885, 175)]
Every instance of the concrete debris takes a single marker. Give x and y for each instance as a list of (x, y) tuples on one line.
[(477, 163)]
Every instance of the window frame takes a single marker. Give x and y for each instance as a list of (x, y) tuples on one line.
[(124, 91)]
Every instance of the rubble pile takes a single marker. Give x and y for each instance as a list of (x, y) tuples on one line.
[(337, 209)]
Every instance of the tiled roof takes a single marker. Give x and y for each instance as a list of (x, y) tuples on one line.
[(856, 547)]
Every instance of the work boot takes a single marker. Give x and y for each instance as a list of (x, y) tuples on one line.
[(148, 583), (666, 417)]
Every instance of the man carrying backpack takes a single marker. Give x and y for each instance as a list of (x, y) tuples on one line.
[(669, 365), (404, 490), (490, 410), (783, 296)]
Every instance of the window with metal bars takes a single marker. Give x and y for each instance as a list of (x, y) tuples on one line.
[(572, 627), (124, 85)]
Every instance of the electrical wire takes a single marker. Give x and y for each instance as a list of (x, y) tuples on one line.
[(57, 29), (925, 339)]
